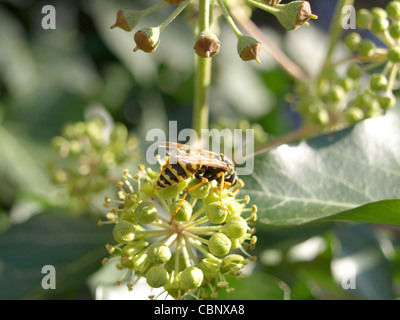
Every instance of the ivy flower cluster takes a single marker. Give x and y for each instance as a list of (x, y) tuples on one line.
[(190, 255), (87, 153), (366, 88), (290, 15)]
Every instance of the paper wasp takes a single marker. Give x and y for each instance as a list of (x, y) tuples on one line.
[(185, 161)]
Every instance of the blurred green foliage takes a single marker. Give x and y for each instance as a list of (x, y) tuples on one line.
[(51, 77)]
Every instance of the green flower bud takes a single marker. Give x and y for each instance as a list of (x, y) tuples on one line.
[(236, 227), (336, 93), (354, 71), (169, 192), (373, 109), (216, 213), (230, 262), (219, 244), (354, 115), (127, 19), (159, 253), (75, 147), (378, 82), (141, 263), (347, 83), (363, 18), (379, 13), (322, 117), (212, 264), (366, 48), (393, 9), (185, 211), (213, 196), (207, 44), (147, 39), (200, 192), (60, 145), (124, 232), (248, 48), (352, 41), (234, 207), (394, 54), (191, 278), (386, 100), (394, 30), (127, 262), (294, 14), (146, 212), (379, 25), (157, 277)]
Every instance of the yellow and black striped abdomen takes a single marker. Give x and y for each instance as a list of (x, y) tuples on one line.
[(174, 173)]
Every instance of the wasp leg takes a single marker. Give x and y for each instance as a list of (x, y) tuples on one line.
[(240, 184), (162, 171), (203, 181), (221, 187)]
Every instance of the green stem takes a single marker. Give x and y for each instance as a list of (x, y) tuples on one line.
[(335, 30), (153, 8), (262, 6), (392, 78), (202, 75), (228, 18), (174, 14)]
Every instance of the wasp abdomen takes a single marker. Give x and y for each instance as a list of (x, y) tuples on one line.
[(175, 173)]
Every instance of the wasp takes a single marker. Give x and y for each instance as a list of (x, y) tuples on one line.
[(184, 161)]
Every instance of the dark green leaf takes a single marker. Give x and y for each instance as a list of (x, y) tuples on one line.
[(73, 245), (353, 174), (360, 264)]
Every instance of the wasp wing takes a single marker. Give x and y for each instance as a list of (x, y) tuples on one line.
[(174, 148)]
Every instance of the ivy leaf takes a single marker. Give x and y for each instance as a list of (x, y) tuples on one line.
[(352, 174), (73, 245)]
